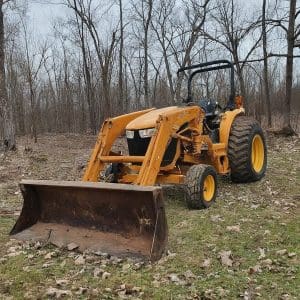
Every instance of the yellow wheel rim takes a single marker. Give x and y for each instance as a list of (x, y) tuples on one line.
[(209, 188), (258, 153)]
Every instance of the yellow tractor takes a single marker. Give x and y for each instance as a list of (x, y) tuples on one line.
[(124, 214)]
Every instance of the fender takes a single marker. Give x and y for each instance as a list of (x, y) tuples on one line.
[(226, 123)]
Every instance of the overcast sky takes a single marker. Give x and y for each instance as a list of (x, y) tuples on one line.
[(42, 16)]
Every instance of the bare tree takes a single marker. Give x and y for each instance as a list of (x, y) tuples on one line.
[(265, 71), (6, 110), (104, 53), (121, 77), (291, 36), (143, 14), (33, 64), (195, 12), (231, 31), (165, 33)]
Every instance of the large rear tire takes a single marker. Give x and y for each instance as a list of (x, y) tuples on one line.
[(247, 152), (200, 186)]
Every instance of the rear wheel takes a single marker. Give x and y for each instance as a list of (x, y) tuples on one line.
[(200, 186), (247, 151)]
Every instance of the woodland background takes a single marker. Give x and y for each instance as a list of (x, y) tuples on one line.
[(106, 58)]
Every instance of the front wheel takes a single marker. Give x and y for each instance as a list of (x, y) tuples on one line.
[(200, 186)]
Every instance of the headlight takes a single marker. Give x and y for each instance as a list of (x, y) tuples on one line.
[(130, 134), (146, 133)]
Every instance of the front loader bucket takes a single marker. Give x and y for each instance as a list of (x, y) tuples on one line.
[(119, 219)]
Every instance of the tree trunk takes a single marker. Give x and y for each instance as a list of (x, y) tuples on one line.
[(121, 92), (9, 139), (265, 72), (146, 64), (289, 70), (240, 76)]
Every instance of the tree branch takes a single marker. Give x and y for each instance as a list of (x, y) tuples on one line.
[(269, 55)]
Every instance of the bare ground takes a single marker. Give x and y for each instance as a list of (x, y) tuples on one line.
[(246, 246)]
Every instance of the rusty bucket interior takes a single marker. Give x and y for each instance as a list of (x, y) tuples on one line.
[(119, 219)]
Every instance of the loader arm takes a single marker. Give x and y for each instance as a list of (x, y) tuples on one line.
[(166, 127), (111, 129)]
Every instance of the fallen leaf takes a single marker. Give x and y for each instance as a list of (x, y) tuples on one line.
[(206, 263), (57, 293), (182, 224), (47, 265), (63, 263), (81, 291), (262, 253), (156, 283), (291, 254), (79, 260), (174, 277), (72, 246), (3, 259), (105, 275), (136, 289), (235, 228), (216, 218), (226, 258), (128, 289), (98, 271), (222, 292), (171, 254), (267, 262), (281, 252), (246, 295), (17, 253), (189, 275), (49, 255), (137, 266), (95, 292), (126, 267), (255, 269), (284, 296), (62, 282), (13, 249)]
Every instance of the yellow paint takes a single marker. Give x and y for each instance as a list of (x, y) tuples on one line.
[(226, 122), (149, 120), (209, 187), (111, 129), (160, 179), (258, 153), (195, 148)]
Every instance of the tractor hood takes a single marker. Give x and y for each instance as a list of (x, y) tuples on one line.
[(149, 119)]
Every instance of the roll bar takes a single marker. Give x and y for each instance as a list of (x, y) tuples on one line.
[(201, 68)]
